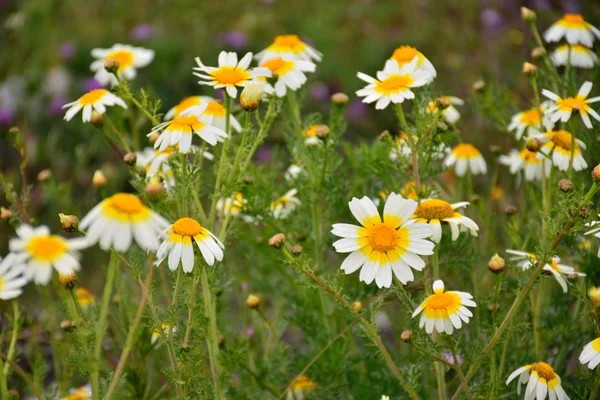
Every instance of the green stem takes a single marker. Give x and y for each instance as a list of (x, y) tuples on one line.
[(191, 306), (11, 350), (549, 66), (212, 340), (131, 97), (459, 371), (238, 156), (222, 163), (537, 328), (117, 133)]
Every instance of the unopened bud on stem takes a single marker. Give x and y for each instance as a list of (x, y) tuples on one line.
[(251, 95), (340, 99), (529, 70), (533, 144), (496, 264), (111, 66), (69, 223), (253, 301), (277, 240), (98, 180)]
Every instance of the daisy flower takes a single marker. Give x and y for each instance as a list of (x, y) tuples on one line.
[(84, 297), (406, 54), (96, 100), (595, 225), (393, 84), (530, 121), (292, 172), (310, 135), (300, 387), (81, 393), (563, 108), (180, 129), (166, 328), (523, 259), (231, 205), (443, 311), (435, 212), (466, 156), (379, 247), (574, 28), (40, 252), (121, 218), (577, 55), (214, 114), (594, 294), (560, 271), (289, 47), (527, 161), (558, 145), (12, 278), (178, 244), (541, 381), (129, 58), (230, 73), (591, 354), (289, 73), (155, 162), (283, 206), (450, 113)]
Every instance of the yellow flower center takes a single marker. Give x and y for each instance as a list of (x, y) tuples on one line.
[(577, 48), (187, 227), (561, 139), (543, 370), (409, 190), (572, 103), (530, 117), (79, 394), (187, 103), (572, 21), (126, 203), (394, 84), (383, 238), (529, 157), (465, 150), (186, 123), (434, 209), (1, 283), (311, 131), (405, 54), (84, 297), (303, 383), (285, 43), (230, 75), (441, 301), (47, 248), (596, 344), (92, 97), (214, 108), (279, 66), (123, 57)]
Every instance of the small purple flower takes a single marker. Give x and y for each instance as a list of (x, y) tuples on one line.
[(67, 50), (244, 286), (236, 40), (263, 155), (319, 91), (7, 115), (450, 359), (91, 84), (56, 105), (357, 110), (492, 20), (142, 32), (250, 332)]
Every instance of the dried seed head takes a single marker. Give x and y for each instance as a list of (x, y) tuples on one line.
[(406, 336), (130, 158), (322, 131), (510, 210), (565, 185), (297, 250), (529, 70), (538, 53)]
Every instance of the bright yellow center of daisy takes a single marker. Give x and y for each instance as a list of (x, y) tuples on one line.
[(1, 284), (279, 66), (230, 75), (441, 301), (561, 139), (46, 248), (303, 383), (434, 209), (465, 151), (84, 296), (311, 131), (214, 108), (186, 123), (596, 344), (554, 264), (286, 43), (572, 21), (543, 370), (187, 227), (187, 103), (394, 84), (405, 54), (383, 237), (79, 394), (572, 103), (530, 117), (529, 157), (409, 190), (123, 57), (126, 203), (577, 48), (92, 97)]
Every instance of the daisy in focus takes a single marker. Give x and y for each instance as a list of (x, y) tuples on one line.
[(393, 84), (465, 157), (300, 387), (380, 247), (95, 100), (574, 29), (595, 225), (406, 54), (450, 113), (81, 393), (179, 131), (289, 74), (530, 121), (121, 218), (12, 278), (541, 381), (436, 212), (526, 161), (558, 145), (40, 252), (563, 108), (283, 206), (577, 55), (214, 114), (561, 272), (129, 58), (444, 311), (230, 74), (178, 244), (289, 47), (591, 354)]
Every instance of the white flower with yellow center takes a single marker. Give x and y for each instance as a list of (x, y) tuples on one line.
[(574, 28), (231, 205), (300, 386), (595, 225), (310, 135), (129, 58), (155, 162), (559, 271), (40, 252), (121, 218), (563, 108), (558, 145), (81, 393), (541, 381), (523, 259), (380, 247), (527, 161), (393, 84), (179, 131), (283, 206), (85, 298), (591, 354), (444, 311), (406, 54), (577, 56), (214, 114), (178, 244), (289, 47), (288, 73), (530, 121), (12, 277), (230, 73), (166, 328), (465, 157), (435, 212), (450, 113), (95, 100)]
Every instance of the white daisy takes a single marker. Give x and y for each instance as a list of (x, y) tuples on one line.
[(591, 354), (523, 259), (289, 47), (527, 161), (450, 113), (563, 108), (530, 121), (435, 212), (129, 58), (406, 54), (292, 172), (595, 225), (283, 206), (214, 114), (577, 55), (541, 381), (81, 393), (12, 277), (465, 157), (288, 73), (166, 328), (574, 28), (559, 271), (231, 205), (557, 145), (96, 100)]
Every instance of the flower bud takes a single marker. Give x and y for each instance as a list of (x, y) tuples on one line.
[(70, 223), (5, 213), (340, 99), (596, 173), (68, 280), (111, 66), (527, 15), (130, 158), (594, 294), (357, 306), (442, 103), (251, 95), (510, 210), (496, 264), (322, 131), (538, 53), (248, 179), (584, 213), (406, 336), (13, 131), (154, 188), (478, 85), (44, 175), (98, 180), (529, 70), (565, 185), (277, 240), (297, 250), (66, 325), (153, 138), (97, 119), (385, 136), (533, 144), (253, 301)]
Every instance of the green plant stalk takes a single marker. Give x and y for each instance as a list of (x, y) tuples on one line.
[(131, 97), (270, 329), (222, 163), (117, 133), (573, 144), (272, 112), (101, 325), (183, 186), (191, 306), (537, 325), (34, 389), (11, 350), (459, 371), (212, 338), (594, 394), (294, 110), (241, 148), (548, 63)]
